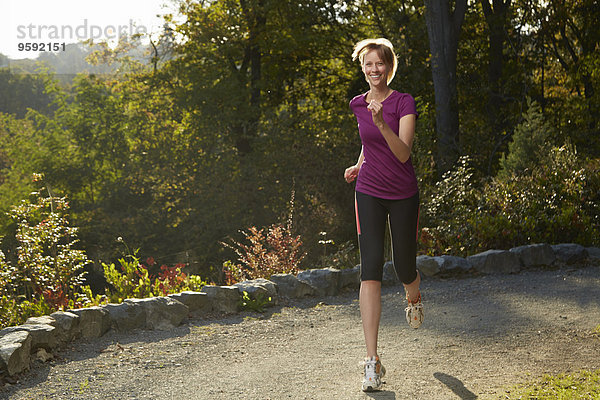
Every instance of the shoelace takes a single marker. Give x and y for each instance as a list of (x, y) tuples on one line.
[(370, 367)]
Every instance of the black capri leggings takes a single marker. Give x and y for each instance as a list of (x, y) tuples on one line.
[(371, 216)]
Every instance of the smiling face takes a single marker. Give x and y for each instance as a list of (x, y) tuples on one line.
[(375, 69)]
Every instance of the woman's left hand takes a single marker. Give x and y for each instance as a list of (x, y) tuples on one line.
[(376, 112)]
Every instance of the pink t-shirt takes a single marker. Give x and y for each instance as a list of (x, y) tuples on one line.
[(382, 174)]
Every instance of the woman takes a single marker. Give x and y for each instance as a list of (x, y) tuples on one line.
[(386, 190)]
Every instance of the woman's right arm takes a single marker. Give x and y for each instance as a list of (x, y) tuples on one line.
[(352, 172)]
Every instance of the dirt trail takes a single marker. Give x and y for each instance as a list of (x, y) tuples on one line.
[(481, 335)]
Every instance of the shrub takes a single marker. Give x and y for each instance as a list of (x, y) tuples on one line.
[(557, 200), (269, 252), (344, 255), (445, 214), (531, 142), (133, 279), (47, 273)]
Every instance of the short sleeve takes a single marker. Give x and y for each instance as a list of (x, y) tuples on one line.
[(407, 106)]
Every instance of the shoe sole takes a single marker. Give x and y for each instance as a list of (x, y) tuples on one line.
[(371, 388)]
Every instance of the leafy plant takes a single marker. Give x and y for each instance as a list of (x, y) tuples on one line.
[(256, 304), (269, 252), (47, 274), (131, 280), (557, 200), (531, 142), (345, 256), (174, 280)]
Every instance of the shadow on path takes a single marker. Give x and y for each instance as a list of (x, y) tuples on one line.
[(455, 385), (383, 395)]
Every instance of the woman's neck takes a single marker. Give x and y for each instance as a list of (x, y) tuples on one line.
[(378, 93)]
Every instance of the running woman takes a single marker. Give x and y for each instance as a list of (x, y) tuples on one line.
[(386, 190)]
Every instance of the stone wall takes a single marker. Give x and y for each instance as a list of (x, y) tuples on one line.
[(40, 336)]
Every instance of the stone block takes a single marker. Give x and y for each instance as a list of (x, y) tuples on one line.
[(534, 255), (223, 299), (495, 262), (593, 254), (389, 277), (41, 335), (93, 321), (350, 278), (324, 281), (259, 288), (428, 266), (126, 316), (453, 263), (570, 253), (66, 324), (15, 348), (161, 313), (195, 301), (289, 285)]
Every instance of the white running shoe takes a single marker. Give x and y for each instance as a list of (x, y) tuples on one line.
[(414, 312), (373, 375)]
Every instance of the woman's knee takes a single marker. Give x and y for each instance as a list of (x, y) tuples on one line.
[(407, 275)]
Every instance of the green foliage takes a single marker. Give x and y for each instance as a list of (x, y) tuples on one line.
[(46, 273), (557, 201), (446, 212), (255, 101), (15, 311), (256, 304), (343, 256), (21, 91), (173, 280), (531, 142), (580, 385), (133, 279)]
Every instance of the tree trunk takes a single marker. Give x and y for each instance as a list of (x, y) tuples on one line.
[(496, 22), (254, 14), (443, 27)]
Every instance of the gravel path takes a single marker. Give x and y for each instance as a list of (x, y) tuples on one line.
[(481, 335)]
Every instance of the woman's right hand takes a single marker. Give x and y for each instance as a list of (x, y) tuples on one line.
[(351, 173)]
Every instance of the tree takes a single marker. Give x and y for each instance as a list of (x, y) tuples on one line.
[(443, 27), (496, 16), (570, 28)]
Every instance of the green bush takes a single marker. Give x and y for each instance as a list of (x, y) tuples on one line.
[(445, 215), (46, 272), (133, 280), (531, 142), (557, 200)]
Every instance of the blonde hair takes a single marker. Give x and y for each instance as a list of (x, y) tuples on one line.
[(384, 49)]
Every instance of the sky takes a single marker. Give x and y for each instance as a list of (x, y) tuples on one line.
[(69, 21)]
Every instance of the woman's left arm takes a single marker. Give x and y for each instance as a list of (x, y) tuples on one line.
[(400, 144)]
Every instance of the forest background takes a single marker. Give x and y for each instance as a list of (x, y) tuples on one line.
[(238, 117)]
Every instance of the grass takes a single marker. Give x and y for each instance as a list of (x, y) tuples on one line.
[(581, 385)]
